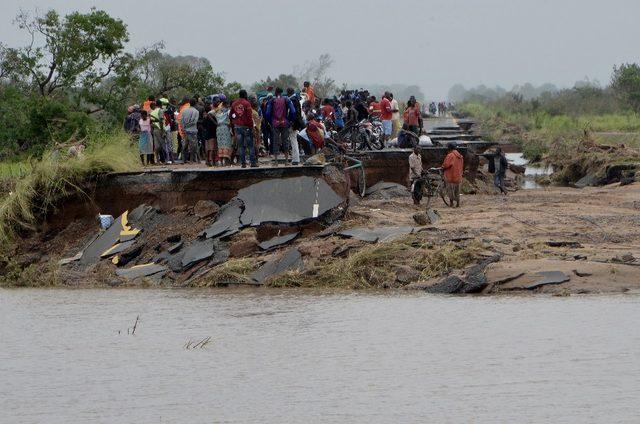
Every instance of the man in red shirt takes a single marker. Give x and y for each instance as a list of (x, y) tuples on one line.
[(386, 114), (241, 117), (328, 113), (374, 107), (453, 166), (315, 132)]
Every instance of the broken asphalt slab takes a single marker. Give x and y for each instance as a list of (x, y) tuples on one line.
[(278, 241), (199, 250), (138, 271), (548, 277), (379, 234), (227, 221), (287, 201), (289, 261), (103, 242)]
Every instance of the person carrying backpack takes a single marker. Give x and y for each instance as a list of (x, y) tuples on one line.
[(280, 111)]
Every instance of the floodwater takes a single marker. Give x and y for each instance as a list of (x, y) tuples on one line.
[(531, 172), (295, 356)]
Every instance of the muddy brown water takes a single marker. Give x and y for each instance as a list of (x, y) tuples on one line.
[(293, 356)]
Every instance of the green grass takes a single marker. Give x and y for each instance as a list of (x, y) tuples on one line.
[(35, 187)]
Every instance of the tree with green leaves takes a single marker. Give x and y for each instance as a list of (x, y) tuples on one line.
[(626, 84), (161, 74), (79, 50)]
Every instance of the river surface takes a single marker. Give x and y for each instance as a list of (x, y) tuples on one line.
[(295, 356)]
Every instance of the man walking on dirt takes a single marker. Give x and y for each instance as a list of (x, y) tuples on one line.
[(498, 167), (415, 174), (453, 166)]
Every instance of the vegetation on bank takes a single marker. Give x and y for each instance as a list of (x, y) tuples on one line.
[(578, 131), (59, 173)]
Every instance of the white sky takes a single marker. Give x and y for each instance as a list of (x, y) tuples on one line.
[(434, 44)]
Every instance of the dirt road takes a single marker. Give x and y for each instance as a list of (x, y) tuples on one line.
[(594, 231)]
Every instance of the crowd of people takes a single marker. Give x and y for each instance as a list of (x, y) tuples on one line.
[(275, 122)]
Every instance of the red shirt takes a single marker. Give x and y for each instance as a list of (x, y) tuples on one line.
[(327, 111), (374, 109), (314, 133), (412, 116), (241, 113), (453, 166), (385, 109)]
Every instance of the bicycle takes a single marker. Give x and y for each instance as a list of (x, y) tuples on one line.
[(433, 185)]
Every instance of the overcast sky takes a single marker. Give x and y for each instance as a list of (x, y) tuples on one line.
[(431, 43)]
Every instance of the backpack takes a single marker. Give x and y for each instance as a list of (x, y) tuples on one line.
[(279, 112)]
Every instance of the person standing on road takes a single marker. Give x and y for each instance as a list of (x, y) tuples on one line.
[(279, 111), (297, 125), (223, 133), (145, 142), (415, 175), (386, 114), (412, 124), (190, 118), (242, 120), (157, 130), (498, 166), (395, 116), (453, 166)]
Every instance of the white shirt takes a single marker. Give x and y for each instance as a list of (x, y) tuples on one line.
[(394, 106)]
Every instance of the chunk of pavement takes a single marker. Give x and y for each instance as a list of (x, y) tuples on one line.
[(448, 285), (117, 248), (374, 235), (65, 261), (330, 230), (175, 247), (140, 212), (289, 261), (289, 200), (228, 220), (205, 209), (475, 279), (548, 277), (103, 242), (128, 255), (138, 271), (278, 241), (174, 238), (386, 191), (199, 250)]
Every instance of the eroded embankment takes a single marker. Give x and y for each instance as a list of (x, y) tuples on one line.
[(557, 240)]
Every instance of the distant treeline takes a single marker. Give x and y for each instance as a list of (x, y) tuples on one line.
[(622, 94)]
